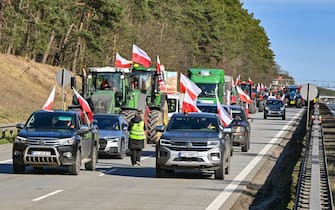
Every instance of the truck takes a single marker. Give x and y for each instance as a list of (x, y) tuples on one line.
[(126, 91), (209, 81)]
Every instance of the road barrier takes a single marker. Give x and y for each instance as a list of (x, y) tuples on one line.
[(7, 129)]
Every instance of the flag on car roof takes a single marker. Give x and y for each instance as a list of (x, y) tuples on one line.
[(84, 105), (141, 57), (225, 117), (50, 101), (122, 62)]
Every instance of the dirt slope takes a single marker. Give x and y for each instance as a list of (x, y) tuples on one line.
[(24, 87)]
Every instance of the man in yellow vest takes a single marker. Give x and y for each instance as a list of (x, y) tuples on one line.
[(136, 139)]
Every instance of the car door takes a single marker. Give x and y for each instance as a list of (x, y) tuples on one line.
[(86, 139), (125, 132)]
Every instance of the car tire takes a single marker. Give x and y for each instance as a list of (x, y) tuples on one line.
[(75, 168), (91, 165), (245, 146), (18, 168), (219, 173)]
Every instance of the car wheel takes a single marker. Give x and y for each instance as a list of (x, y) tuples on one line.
[(18, 168), (219, 173), (90, 165), (245, 146), (75, 168)]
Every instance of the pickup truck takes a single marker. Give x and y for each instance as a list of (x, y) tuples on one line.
[(54, 139)]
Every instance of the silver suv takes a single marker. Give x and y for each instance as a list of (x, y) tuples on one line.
[(193, 141)]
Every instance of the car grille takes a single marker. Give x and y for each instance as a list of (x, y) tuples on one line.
[(102, 144), (190, 159), (198, 146), (43, 141)]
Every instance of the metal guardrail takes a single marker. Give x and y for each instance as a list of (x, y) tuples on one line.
[(313, 191), (8, 128)]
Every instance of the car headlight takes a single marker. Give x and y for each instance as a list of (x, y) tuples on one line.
[(238, 129), (20, 139), (112, 139), (213, 143), (67, 141), (165, 142)]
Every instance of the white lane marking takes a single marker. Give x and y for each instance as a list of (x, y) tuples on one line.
[(115, 169), (6, 161), (224, 195), (47, 195)]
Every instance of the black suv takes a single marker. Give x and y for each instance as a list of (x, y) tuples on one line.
[(274, 108), (55, 138)]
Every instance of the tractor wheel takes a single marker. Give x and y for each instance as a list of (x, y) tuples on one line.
[(154, 119), (128, 114)]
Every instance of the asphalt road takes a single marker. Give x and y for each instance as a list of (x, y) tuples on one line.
[(117, 185)]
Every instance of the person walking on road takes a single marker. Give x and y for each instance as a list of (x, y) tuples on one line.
[(136, 139)]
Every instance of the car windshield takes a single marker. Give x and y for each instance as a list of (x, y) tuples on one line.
[(51, 120), (274, 102), (207, 90), (209, 124), (211, 109), (107, 122), (238, 115)]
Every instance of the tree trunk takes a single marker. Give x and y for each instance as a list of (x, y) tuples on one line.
[(47, 51)]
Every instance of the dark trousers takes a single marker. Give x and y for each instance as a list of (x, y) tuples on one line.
[(135, 155)]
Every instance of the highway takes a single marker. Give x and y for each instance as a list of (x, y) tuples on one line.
[(117, 185)]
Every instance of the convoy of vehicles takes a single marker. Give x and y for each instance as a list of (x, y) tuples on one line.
[(274, 108), (193, 141), (54, 139), (113, 135)]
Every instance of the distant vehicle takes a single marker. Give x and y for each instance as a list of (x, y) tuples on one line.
[(293, 96), (193, 141), (57, 138), (240, 128), (274, 108), (113, 134)]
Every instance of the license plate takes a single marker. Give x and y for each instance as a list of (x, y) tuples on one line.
[(292, 102), (188, 154), (41, 153)]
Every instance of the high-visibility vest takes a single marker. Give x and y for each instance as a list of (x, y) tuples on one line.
[(137, 131)]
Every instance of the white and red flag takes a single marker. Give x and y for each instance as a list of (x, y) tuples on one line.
[(250, 81), (187, 84), (122, 62), (160, 72), (141, 57), (50, 101), (189, 104), (238, 80), (84, 105), (243, 96), (225, 117)]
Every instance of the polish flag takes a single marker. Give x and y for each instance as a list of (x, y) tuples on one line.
[(84, 105), (238, 79), (250, 81), (189, 104), (187, 84), (141, 57), (243, 96), (50, 101), (122, 62), (160, 72), (224, 115), (247, 110)]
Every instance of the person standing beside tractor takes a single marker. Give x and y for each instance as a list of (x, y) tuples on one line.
[(136, 138)]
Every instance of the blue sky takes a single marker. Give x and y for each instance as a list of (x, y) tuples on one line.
[(302, 35)]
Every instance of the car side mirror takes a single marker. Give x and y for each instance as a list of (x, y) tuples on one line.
[(124, 127), (160, 128), (83, 129), (20, 125)]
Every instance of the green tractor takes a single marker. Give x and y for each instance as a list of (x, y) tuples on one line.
[(126, 91)]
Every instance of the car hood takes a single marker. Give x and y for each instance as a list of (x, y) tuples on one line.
[(26, 133), (194, 135), (109, 133), (274, 106)]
